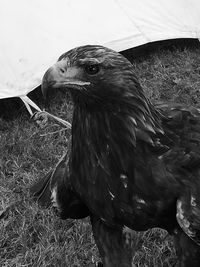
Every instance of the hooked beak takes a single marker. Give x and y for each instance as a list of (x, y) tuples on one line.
[(60, 75)]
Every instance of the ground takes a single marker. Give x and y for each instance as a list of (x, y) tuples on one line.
[(30, 236)]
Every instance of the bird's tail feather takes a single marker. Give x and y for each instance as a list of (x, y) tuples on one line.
[(41, 190), (55, 189)]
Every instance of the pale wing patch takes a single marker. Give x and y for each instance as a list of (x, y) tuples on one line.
[(124, 180), (193, 201), (54, 197), (184, 222), (111, 194), (140, 202)]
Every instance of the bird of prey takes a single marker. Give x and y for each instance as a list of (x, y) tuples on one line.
[(132, 164)]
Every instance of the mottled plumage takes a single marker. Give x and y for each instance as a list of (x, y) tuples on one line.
[(132, 164)]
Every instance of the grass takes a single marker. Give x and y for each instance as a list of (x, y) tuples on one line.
[(30, 236)]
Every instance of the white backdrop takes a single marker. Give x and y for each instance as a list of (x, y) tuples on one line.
[(34, 33)]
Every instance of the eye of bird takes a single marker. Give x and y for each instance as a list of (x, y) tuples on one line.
[(92, 69)]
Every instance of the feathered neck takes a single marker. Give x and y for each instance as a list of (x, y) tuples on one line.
[(115, 128)]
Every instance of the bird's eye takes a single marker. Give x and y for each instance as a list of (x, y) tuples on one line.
[(92, 69)]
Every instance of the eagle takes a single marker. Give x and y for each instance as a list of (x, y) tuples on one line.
[(132, 164)]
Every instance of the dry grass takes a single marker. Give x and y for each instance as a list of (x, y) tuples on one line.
[(30, 236)]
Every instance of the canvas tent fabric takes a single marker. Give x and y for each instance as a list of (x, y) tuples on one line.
[(35, 33)]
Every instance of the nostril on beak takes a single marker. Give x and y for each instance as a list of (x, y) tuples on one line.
[(62, 70)]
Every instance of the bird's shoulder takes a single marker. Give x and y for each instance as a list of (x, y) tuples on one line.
[(181, 125), (173, 161)]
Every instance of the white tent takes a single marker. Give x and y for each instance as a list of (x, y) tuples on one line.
[(34, 33)]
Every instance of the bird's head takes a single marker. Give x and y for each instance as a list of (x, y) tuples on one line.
[(103, 82), (93, 74), (111, 113)]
